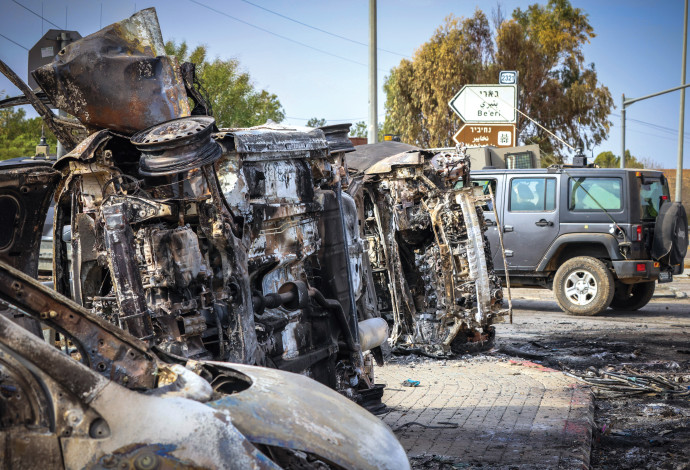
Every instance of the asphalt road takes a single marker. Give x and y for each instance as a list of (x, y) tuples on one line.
[(633, 429)]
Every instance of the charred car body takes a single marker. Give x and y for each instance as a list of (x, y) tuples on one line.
[(430, 260), (227, 245), (183, 244)]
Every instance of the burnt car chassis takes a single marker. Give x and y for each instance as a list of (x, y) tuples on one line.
[(234, 244), (430, 261)]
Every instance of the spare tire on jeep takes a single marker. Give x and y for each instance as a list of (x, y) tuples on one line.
[(671, 234)]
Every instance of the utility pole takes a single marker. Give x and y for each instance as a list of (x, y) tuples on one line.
[(623, 131), (373, 118), (681, 121)]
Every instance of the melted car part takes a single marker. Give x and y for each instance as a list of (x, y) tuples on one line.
[(430, 260), (139, 87), (72, 420)]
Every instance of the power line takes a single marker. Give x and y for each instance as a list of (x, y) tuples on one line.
[(321, 30), (278, 35), (654, 126), (327, 120), (14, 42), (31, 11)]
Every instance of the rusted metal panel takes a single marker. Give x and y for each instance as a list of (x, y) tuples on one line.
[(143, 87)]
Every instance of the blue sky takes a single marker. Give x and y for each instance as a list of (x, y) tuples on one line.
[(637, 50)]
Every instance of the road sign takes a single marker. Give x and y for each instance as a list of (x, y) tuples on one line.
[(486, 104), (45, 50), (498, 135), (508, 77)]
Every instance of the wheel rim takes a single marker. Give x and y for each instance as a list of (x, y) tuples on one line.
[(581, 287)]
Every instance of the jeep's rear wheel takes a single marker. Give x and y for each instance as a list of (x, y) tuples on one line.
[(583, 286), (633, 297)]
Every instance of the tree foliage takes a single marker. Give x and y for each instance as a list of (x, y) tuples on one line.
[(234, 99), (19, 135), (543, 43), (609, 160), (359, 129), (315, 122)]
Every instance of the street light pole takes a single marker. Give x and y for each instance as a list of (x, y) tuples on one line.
[(373, 118), (623, 130), (681, 120)]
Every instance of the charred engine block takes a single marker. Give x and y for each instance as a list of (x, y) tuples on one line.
[(235, 245), (430, 261)]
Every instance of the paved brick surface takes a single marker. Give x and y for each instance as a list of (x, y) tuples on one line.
[(489, 413)]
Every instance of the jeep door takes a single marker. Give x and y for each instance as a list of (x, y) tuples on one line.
[(492, 184), (530, 219)]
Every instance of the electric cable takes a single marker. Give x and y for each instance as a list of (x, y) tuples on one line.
[(40, 16), (279, 35), (322, 30), (14, 42)]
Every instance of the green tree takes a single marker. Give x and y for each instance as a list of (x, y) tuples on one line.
[(315, 122), (359, 130), (19, 135), (609, 160), (234, 99), (543, 43)]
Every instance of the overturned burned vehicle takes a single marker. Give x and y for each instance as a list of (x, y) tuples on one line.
[(230, 244), (183, 248), (430, 260)]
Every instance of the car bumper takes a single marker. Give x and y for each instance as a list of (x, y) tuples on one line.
[(631, 270)]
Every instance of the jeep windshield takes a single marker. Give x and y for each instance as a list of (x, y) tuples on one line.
[(652, 192)]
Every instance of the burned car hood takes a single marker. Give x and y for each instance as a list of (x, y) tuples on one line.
[(291, 410)]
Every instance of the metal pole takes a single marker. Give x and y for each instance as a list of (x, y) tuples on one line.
[(681, 122), (373, 119), (623, 131), (64, 41)]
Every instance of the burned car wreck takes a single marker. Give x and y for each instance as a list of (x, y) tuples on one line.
[(230, 244), (184, 247), (430, 260)]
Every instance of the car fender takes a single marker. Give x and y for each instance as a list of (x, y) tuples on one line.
[(290, 410), (609, 242)]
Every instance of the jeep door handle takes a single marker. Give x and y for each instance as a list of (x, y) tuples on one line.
[(489, 222), (507, 228), (544, 223)]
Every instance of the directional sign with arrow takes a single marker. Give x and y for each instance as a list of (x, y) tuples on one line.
[(486, 104)]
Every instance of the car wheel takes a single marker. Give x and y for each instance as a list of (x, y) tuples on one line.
[(633, 297), (583, 286)]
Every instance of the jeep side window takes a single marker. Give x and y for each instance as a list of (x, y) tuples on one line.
[(485, 184), (532, 194), (594, 194), (652, 192)]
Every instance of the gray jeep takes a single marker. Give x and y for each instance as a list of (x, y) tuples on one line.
[(598, 237)]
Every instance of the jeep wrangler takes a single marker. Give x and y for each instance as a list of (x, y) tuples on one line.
[(599, 237)]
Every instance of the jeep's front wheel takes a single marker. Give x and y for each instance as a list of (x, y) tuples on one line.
[(633, 297), (583, 286)]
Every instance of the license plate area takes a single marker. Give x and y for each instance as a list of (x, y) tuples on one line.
[(665, 276)]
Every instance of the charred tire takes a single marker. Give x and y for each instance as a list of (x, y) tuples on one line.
[(583, 286), (633, 297)]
